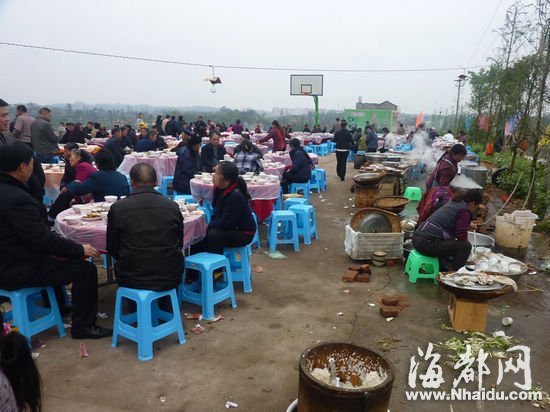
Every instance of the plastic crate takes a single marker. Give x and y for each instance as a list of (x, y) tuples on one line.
[(361, 246)]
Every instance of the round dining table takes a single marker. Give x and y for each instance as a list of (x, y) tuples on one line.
[(165, 164), (95, 232), (263, 196), (285, 158), (53, 174)]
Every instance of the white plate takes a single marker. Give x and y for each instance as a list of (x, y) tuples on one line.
[(91, 219)]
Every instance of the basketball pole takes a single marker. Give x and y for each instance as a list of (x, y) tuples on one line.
[(316, 100)]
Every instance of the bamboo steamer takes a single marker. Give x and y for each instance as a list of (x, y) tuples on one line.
[(394, 204)]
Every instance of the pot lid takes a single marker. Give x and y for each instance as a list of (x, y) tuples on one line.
[(375, 223)]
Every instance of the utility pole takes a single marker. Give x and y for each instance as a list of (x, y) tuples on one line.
[(461, 78)]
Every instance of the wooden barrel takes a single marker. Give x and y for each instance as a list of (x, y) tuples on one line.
[(316, 396), (365, 196)]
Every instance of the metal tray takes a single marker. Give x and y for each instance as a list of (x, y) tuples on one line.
[(448, 280)]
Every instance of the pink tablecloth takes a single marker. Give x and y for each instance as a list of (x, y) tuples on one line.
[(95, 233), (53, 180), (165, 166), (285, 159), (230, 149), (277, 170), (205, 191)]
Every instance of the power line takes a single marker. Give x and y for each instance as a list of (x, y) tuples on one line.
[(289, 69), (485, 32)]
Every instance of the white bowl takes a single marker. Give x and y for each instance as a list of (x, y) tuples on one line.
[(192, 207), (111, 199), (72, 219), (79, 208)]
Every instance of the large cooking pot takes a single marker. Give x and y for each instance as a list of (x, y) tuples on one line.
[(477, 173), (368, 178)]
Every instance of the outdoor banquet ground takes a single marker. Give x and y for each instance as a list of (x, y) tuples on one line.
[(251, 357)]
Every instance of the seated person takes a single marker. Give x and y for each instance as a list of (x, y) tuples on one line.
[(212, 153), (149, 255), (114, 145), (107, 181), (81, 161), (247, 160), (150, 142), (300, 171), (245, 137), (129, 138), (19, 377), (30, 252), (232, 224), (68, 174), (307, 129), (445, 233), (432, 200), (187, 165)]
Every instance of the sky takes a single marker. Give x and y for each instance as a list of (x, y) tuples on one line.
[(361, 34)]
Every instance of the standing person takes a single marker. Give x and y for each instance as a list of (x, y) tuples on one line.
[(113, 144), (462, 137), (212, 153), (61, 130), (187, 165), (163, 124), (30, 251), (23, 122), (201, 127), (237, 127), (444, 234), (372, 140), (277, 133), (171, 127), (181, 122), (336, 126), (44, 139), (344, 143), (4, 123), (158, 123), (447, 167), (140, 120), (300, 171), (232, 224), (157, 264)]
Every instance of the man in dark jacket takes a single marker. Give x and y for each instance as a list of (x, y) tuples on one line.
[(114, 145), (212, 153), (344, 144), (149, 254), (371, 139), (171, 127), (300, 171), (187, 165), (44, 139), (30, 251)]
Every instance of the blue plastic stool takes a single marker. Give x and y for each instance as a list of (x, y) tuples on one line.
[(417, 261), (202, 292), (129, 182), (323, 176), (324, 149), (187, 198), (278, 205), (300, 187), (47, 200), (351, 156), (309, 149), (289, 230), (331, 147), (413, 193), (256, 239), (316, 181), (207, 215), (317, 149), (30, 318), (166, 181), (147, 318), (294, 201), (239, 260), (306, 222)]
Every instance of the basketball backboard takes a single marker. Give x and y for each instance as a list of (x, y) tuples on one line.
[(306, 84)]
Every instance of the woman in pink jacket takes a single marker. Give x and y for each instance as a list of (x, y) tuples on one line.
[(81, 161), (277, 133)]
